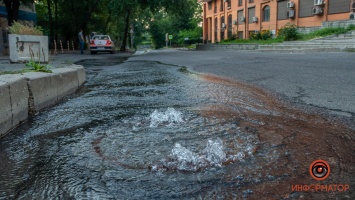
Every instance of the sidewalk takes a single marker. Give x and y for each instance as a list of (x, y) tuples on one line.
[(57, 61)]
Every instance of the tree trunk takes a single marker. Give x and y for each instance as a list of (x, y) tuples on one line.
[(56, 19), (50, 22), (124, 42), (12, 8)]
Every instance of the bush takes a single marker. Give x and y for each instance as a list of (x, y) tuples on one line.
[(289, 32), (194, 36), (26, 28), (327, 31), (263, 35)]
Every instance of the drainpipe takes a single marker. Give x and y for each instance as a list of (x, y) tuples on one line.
[(326, 8), (225, 17), (296, 13), (277, 21), (246, 19)]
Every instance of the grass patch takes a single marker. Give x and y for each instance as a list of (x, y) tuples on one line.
[(192, 46), (33, 66), (244, 41), (326, 32), (25, 28), (291, 30)]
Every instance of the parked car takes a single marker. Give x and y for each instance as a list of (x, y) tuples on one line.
[(101, 43)]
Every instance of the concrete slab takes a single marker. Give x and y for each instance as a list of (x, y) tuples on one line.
[(14, 101), (81, 73), (43, 92), (5, 108), (65, 80)]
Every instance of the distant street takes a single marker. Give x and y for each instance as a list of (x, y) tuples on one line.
[(326, 81)]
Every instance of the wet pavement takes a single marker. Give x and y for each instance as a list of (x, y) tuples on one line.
[(147, 130)]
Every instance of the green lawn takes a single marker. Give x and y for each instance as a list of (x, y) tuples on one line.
[(303, 37)]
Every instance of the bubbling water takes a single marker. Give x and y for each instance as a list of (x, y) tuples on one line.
[(169, 117), (212, 156)]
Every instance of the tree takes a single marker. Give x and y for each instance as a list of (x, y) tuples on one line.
[(130, 8), (114, 17), (181, 24), (12, 8)]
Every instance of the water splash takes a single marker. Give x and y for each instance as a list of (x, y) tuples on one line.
[(186, 159), (169, 117), (214, 152)]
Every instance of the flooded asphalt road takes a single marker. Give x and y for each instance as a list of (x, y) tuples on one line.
[(147, 130)]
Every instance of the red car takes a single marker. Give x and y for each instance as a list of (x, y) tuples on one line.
[(101, 43)]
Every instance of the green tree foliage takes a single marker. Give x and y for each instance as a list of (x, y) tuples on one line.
[(194, 36), (64, 18), (182, 24)]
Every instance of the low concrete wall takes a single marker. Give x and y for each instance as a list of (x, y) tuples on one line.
[(344, 23), (24, 95), (226, 46)]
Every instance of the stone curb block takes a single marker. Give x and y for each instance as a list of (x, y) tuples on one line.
[(13, 101), (23, 95)]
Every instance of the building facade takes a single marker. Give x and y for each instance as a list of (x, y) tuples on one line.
[(26, 13), (224, 18)]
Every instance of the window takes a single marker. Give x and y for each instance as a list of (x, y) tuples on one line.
[(222, 28), (210, 5), (230, 18), (240, 15), (281, 11), (266, 14), (221, 6), (251, 1), (240, 35), (240, 2), (305, 8), (251, 14), (338, 6), (228, 3), (215, 29)]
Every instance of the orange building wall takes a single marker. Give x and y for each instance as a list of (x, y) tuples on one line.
[(273, 24)]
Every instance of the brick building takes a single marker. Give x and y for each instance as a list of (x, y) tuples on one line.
[(223, 18)]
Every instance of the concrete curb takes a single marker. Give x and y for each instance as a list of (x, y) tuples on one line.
[(25, 94)]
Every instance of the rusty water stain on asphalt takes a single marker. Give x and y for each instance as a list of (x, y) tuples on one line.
[(298, 137)]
